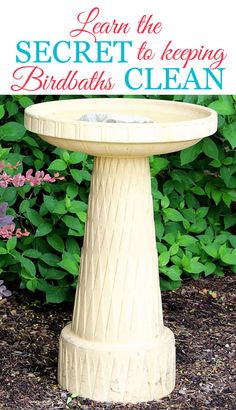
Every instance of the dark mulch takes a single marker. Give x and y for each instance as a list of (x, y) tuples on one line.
[(203, 323)]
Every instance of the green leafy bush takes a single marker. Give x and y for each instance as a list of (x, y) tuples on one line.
[(194, 204)]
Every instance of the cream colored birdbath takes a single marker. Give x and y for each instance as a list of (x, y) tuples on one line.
[(117, 348)]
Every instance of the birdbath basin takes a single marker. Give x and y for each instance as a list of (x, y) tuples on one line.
[(117, 347)]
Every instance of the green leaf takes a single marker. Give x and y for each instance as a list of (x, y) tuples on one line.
[(210, 148), (211, 249), (43, 285), (25, 101), (169, 238), (158, 164), (202, 212), (56, 242), (50, 259), (30, 141), (227, 161), (77, 157), (198, 190), (199, 226), (216, 195), (3, 251), (174, 249), (69, 265), (165, 202), (71, 222), (209, 268), (4, 152), (11, 243), (57, 165), (32, 253), (215, 163), (59, 208), (28, 265), (232, 240), (168, 187), (186, 240), (176, 260), (66, 156), (190, 154), (43, 229), (82, 216), (159, 227), (12, 131), (12, 108), (229, 220), (227, 199), (2, 111), (49, 202), (229, 132), (173, 272), (76, 175), (72, 190), (80, 175), (164, 258), (169, 285), (25, 204), (77, 206), (34, 217), (38, 153), (56, 295), (31, 284), (195, 267), (223, 106), (227, 255), (173, 215), (191, 201), (72, 246), (225, 174), (55, 274)]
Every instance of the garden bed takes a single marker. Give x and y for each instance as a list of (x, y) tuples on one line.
[(201, 314)]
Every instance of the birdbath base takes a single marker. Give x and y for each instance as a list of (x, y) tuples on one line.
[(117, 348), (119, 373)]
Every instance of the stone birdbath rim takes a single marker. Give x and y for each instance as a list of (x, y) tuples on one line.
[(172, 121)]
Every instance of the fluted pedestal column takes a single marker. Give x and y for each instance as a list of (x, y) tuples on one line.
[(116, 348)]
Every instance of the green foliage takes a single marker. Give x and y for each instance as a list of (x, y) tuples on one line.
[(194, 204)]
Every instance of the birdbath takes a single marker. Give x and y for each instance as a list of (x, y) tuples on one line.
[(117, 347)]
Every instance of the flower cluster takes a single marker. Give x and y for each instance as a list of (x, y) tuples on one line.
[(8, 165), (7, 227), (8, 231), (4, 292), (19, 180)]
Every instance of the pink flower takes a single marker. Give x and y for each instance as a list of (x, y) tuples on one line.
[(19, 233), (5, 179), (57, 176), (8, 165), (18, 180), (6, 231)]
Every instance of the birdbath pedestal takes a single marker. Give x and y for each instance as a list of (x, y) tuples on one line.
[(117, 348)]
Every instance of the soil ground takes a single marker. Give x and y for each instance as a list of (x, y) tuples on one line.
[(201, 314)]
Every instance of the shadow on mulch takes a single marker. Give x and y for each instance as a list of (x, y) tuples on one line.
[(201, 314)]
